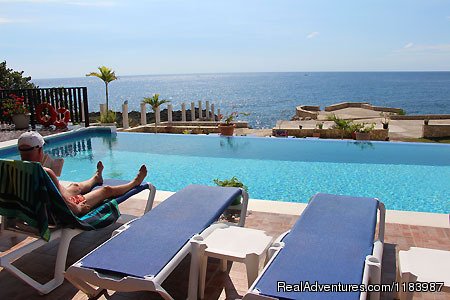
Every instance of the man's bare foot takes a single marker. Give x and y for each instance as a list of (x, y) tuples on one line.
[(99, 173), (140, 176)]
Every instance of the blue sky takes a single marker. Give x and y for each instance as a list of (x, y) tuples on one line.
[(69, 38)]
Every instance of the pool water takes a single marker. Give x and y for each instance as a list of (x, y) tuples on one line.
[(405, 176)]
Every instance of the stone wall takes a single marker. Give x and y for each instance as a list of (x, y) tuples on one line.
[(435, 131), (375, 135), (304, 111), (364, 105)]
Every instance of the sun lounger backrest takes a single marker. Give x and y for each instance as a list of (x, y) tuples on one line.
[(28, 193), (328, 244), (154, 239)]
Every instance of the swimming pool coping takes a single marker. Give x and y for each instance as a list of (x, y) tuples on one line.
[(291, 208)]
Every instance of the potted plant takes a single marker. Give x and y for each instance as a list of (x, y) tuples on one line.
[(236, 205), (385, 118), (232, 182), (363, 134), (226, 128), (15, 108)]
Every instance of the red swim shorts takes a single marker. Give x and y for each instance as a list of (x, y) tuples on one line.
[(77, 199)]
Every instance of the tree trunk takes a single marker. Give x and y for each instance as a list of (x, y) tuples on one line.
[(107, 106)]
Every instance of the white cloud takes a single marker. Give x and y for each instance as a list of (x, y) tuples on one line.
[(4, 20), (92, 3), (425, 49), (312, 35)]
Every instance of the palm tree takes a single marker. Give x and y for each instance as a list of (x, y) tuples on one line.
[(107, 75), (154, 102)]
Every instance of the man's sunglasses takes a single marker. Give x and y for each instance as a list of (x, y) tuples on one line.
[(29, 149)]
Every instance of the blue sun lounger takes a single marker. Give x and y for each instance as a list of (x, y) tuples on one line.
[(143, 254), (331, 243), (31, 204)]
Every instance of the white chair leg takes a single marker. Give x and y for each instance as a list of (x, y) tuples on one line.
[(252, 266), (202, 281)]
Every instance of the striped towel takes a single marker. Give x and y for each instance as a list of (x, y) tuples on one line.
[(28, 193)]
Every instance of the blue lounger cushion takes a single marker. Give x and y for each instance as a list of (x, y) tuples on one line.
[(328, 244), (154, 239)]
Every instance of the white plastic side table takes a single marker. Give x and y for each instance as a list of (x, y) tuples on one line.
[(423, 265), (237, 244)]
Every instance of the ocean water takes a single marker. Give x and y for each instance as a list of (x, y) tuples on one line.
[(269, 97), (405, 176)]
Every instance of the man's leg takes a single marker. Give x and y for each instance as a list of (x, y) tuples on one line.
[(95, 197), (87, 185)]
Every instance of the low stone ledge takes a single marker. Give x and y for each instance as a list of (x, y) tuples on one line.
[(364, 105), (421, 117), (436, 131), (343, 105), (375, 135)]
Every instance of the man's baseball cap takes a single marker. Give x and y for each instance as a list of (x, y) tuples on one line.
[(30, 140)]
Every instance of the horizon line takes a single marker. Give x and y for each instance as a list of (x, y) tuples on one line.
[(254, 72)]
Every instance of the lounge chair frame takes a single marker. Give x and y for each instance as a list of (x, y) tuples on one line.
[(372, 265), (92, 282), (65, 235)]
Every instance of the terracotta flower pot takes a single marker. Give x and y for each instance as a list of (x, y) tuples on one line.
[(226, 129), (21, 121)]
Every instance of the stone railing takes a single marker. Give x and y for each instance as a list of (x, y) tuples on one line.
[(435, 131), (307, 111)]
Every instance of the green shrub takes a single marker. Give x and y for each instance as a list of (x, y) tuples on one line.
[(233, 182), (109, 117)]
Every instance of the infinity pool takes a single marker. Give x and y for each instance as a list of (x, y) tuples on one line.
[(405, 176)]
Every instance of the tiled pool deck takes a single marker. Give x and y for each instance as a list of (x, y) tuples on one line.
[(230, 285)]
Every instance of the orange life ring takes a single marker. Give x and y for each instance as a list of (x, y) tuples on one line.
[(62, 122), (45, 119)]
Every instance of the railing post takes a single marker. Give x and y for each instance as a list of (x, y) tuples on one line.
[(125, 123), (169, 113), (183, 112), (32, 104), (200, 110), (158, 115), (213, 116), (143, 114), (192, 111), (207, 110), (85, 109)]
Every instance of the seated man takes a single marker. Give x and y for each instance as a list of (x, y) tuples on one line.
[(78, 196)]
